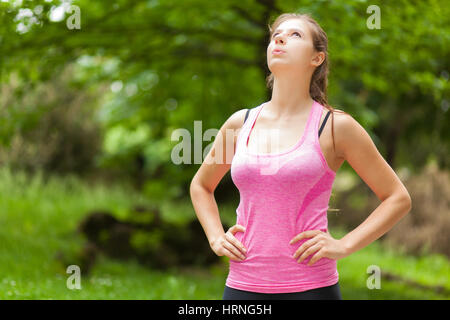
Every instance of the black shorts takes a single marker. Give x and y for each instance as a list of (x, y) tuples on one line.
[(332, 292)]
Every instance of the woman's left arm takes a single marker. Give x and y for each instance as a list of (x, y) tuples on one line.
[(355, 145), (361, 153)]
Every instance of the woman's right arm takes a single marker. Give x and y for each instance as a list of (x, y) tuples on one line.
[(215, 165)]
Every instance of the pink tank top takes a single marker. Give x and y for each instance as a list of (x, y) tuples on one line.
[(281, 195)]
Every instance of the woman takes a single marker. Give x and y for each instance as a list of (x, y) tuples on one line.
[(280, 247)]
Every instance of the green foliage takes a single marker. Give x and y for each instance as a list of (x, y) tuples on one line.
[(146, 241), (169, 63), (49, 125)]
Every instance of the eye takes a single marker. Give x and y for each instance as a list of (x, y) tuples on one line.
[(273, 36)]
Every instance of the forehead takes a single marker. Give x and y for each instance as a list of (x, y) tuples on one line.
[(296, 24)]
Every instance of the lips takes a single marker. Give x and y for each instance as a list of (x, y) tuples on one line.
[(278, 51)]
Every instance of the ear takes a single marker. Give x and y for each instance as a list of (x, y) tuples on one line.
[(318, 58)]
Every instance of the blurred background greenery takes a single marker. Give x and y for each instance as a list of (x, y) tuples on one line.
[(86, 122)]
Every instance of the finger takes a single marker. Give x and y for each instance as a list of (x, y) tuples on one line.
[(308, 252), (237, 228), (236, 243), (317, 256), (305, 246), (231, 255), (233, 249), (305, 234)]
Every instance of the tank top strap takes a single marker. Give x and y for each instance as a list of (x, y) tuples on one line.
[(248, 125), (313, 128)]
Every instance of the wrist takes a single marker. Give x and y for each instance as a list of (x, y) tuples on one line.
[(348, 248), (212, 240)]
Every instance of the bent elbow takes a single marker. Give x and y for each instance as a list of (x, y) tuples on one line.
[(406, 199)]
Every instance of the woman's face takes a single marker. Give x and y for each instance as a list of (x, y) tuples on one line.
[(294, 38)]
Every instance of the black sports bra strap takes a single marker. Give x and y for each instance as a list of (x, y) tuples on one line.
[(324, 121), (246, 115)]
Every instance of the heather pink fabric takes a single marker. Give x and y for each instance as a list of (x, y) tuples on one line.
[(275, 205)]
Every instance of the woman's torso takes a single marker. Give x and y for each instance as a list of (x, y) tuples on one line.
[(282, 193)]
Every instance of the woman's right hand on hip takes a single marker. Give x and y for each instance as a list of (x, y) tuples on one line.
[(228, 245)]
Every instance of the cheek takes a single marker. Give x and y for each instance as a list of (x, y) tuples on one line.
[(302, 54)]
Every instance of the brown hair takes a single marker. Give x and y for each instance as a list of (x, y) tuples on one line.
[(319, 78)]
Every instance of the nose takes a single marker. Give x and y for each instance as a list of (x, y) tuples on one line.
[(279, 38)]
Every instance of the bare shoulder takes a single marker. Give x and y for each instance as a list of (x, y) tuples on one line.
[(360, 151), (343, 120), (348, 132), (232, 124), (235, 120)]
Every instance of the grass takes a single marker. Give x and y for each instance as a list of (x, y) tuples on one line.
[(429, 271), (38, 219)]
